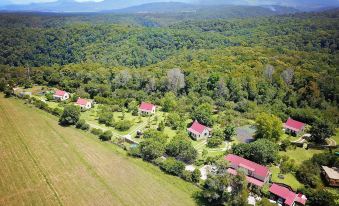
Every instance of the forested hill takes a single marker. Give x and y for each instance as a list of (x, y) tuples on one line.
[(29, 40)]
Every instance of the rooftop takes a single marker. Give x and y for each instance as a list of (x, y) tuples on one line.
[(197, 127), (146, 106), (247, 164), (60, 93), (294, 125), (332, 173), (289, 196)]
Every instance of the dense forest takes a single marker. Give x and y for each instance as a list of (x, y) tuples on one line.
[(285, 63)]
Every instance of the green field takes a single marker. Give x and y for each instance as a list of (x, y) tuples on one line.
[(300, 154), (289, 178), (45, 164)]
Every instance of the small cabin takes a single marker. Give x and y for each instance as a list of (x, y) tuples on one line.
[(60, 95), (199, 131), (147, 108)]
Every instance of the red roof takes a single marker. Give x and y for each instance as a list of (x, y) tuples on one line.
[(259, 170), (82, 101), (60, 93), (146, 106), (289, 196), (249, 179), (294, 125), (198, 128)]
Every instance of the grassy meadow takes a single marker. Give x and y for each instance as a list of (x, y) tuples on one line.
[(43, 163)]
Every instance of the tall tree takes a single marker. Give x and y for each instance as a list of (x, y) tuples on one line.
[(268, 126)]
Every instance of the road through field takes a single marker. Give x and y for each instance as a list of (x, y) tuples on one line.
[(45, 164)]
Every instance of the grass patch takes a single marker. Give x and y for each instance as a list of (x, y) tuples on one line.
[(289, 178), (300, 154)]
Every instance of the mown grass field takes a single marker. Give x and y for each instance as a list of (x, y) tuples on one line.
[(45, 164)]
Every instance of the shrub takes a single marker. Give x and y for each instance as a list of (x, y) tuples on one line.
[(172, 166), (134, 151), (214, 142), (123, 125), (96, 131), (106, 136), (105, 117), (57, 111), (81, 124)]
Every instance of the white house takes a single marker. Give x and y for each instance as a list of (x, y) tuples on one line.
[(61, 95), (84, 103), (147, 108), (198, 131)]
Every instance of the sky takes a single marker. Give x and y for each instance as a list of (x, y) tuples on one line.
[(39, 1), (6, 2)]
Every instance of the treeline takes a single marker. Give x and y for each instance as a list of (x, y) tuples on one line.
[(234, 82), (27, 40), (307, 31)]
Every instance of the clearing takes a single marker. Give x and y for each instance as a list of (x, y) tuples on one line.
[(45, 164)]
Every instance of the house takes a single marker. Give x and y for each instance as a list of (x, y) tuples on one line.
[(294, 127), (198, 131), (256, 174), (60, 95), (285, 196), (331, 175), (147, 108), (84, 103)]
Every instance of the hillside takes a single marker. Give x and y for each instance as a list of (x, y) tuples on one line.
[(43, 163)]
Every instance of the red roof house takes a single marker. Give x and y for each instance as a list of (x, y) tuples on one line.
[(198, 130), (255, 173), (61, 95), (285, 196), (147, 108), (84, 103), (294, 126)]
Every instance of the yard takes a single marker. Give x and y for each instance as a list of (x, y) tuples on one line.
[(288, 179), (300, 154), (43, 163)]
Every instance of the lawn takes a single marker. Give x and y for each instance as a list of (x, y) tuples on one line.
[(45, 164), (300, 154), (289, 178)]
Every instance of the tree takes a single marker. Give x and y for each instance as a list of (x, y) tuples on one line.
[(152, 148), (123, 125), (105, 117), (181, 148), (172, 166), (320, 131), (175, 80), (81, 124), (320, 197), (229, 131), (196, 174), (309, 174), (203, 113), (287, 75), (261, 151), (268, 126), (106, 136), (169, 102), (70, 116)]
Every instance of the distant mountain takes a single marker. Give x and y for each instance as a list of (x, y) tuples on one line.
[(162, 6), (306, 5), (74, 6)]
